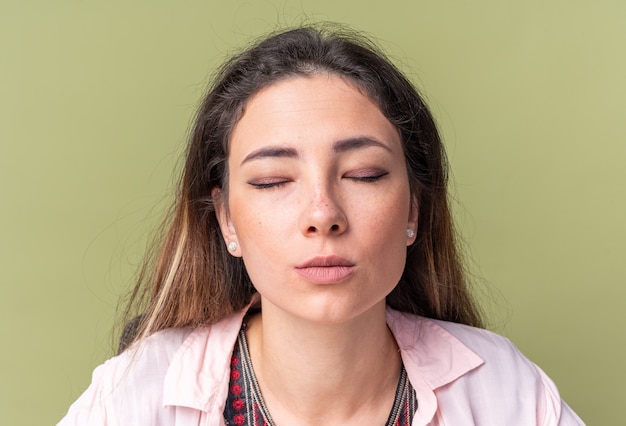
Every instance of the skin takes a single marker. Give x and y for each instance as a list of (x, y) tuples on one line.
[(319, 204)]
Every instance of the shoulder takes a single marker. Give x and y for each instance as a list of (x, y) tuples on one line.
[(502, 361), (475, 372), (145, 361), (488, 345), (160, 377), (420, 334), (508, 378), (149, 358), (124, 388)]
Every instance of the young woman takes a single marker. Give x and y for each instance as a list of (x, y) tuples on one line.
[(310, 274)]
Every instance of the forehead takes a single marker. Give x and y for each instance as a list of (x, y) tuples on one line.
[(305, 91), (321, 107)]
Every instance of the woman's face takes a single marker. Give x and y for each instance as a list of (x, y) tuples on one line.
[(318, 200)]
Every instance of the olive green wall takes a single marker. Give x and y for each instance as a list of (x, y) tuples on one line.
[(96, 98)]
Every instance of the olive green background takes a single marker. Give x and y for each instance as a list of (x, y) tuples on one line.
[(96, 98)]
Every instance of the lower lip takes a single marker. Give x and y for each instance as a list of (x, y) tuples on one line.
[(325, 274)]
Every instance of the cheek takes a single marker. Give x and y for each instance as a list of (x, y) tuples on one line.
[(258, 225), (388, 213), (383, 228)]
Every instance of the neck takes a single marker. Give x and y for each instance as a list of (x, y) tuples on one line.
[(311, 373)]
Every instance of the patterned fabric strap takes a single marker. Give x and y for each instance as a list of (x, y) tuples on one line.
[(245, 404)]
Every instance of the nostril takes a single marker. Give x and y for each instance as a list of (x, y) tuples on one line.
[(311, 229), (335, 227)]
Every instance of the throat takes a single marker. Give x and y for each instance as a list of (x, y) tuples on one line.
[(299, 386)]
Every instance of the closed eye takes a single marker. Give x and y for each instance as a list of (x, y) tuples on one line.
[(366, 176), (267, 183)]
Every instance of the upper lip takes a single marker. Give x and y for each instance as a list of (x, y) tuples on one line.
[(325, 261)]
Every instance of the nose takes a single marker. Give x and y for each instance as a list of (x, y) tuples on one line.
[(323, 214)]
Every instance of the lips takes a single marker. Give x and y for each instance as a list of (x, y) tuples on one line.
[(325, 269)]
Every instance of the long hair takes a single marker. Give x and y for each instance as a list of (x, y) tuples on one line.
[(193, 280)]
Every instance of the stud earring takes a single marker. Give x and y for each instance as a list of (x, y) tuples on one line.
[(232, 246), (410, 233)]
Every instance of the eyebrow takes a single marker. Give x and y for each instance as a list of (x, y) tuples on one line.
[(351, 144), (271, 151), (340, 146)]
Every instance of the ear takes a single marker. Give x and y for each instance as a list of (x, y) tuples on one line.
[(223, 218), (413, 220)]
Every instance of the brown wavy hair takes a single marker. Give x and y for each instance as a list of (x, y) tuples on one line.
[(192, 280)]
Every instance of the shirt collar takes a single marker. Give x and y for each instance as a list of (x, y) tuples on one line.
[(432, 357), (199, 373)]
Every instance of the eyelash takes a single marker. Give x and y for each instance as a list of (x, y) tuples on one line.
[(369, 178), (267, 185), (276, 184)]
